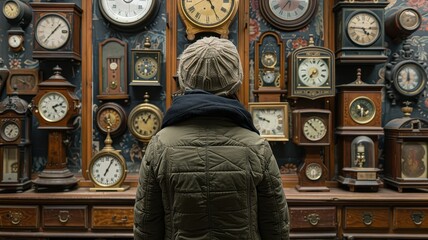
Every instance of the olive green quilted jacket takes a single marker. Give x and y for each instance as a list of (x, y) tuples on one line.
[(207, 178)]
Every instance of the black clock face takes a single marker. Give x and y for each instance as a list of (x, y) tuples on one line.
[(362, 110)]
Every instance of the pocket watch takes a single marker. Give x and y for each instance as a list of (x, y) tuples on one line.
[(111, 115), (288, 15), (271, 119), (128, 15), (313, 171), (362, 110), (363, 28), (53, 106), (313, 72), (314, 128), (17, 12), (23, 81), (52, 31), (10, 131), (410, 79), (144, 121)]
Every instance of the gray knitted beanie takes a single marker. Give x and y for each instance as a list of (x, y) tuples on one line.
[(211, 64)]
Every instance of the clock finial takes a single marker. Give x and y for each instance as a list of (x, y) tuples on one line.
[(407, 109), (147, 43)]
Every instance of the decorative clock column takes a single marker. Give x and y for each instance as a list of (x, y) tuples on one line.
[(55, 106)]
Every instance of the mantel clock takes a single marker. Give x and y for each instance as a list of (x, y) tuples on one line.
[(57, 29), (360, 31), (207, 16), (312, 72), (269, 68), (406, 139), (15, 144), (359, 126), (113, 77), (311, 130), (146, 65), (55, 106)]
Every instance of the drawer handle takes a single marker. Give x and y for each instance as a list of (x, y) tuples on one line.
[(417, 218), (313, 219), (63, 216), (123, 220), (367, 218), (14, 217)]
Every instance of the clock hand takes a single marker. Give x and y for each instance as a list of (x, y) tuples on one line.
[(53, 31), (23, 81), (213, 8), (111, 162), (312, 126), (287, 3)]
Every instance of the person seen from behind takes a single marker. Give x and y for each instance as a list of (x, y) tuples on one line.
[(207, 174)]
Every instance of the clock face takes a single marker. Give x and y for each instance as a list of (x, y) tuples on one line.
[(146, 67), (313, 171), (53, 106), (10, 131), (113, 115), (289, 10), (144, 121), (15, 41), (409, 19), (127, 13), (107, 169), (23, 82), (268, 59), (11, 10), (410, 79), (270, 78), (363, 28), (208, 14), (52, 31), (362, 110), (269, 121), (314, 129), (313, 72)]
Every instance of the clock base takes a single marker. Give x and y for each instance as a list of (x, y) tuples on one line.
[(360, 179), (312, 188), (401, 185), (109, 189), (15, 187), (55, 180)]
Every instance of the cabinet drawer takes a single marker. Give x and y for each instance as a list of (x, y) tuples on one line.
[(65, 216), (315, 218), (19, 217), (107, 217), (410, 218), (366, 218)]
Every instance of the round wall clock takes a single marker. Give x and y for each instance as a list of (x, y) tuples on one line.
[(111, 115), (409, 78), (362, 110), (129, 14), (363, 28), (16, 42), (144, 121), (403, 23), (10, 131), (53, 106), (52, 31), (288, 15), (17, 12)]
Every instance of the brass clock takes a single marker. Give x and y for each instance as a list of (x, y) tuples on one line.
[(144, 121), (403, 23), (311, 73), (57, 29), (129, 15), (111, 115), (271, 119), (207, 16), (288, 15), (362, 110), (146, 66), (17, 13), (23, 81)]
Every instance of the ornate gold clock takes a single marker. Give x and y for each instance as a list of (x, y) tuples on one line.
[(107, 169), (269, 68), (57, 29), (271, 119), (15, 145), (312, 72), (311, 130), (111, 116), (402, 23), (145, 120), (146, 66), (113, 63), (360, 31), (207, 16), (23, 81), (359, 127), (288, 15), (55, 106)]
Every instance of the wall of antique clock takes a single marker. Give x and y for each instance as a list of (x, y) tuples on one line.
[(167, 25)]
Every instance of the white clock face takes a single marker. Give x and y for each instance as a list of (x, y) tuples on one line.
[(15, 41), (10, 131), (269, 77), (289, 10), (313, 72), (314, 129), (53, 106), (52, 31), (126, 12), (409, 19), (107, 170), (363, 29), (313, 171), (269, 121), (409, 79)]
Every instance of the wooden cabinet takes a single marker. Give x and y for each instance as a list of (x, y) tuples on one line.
[(112, 217), (67, 217), (410, 218), (367, 219), (19, 217)]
